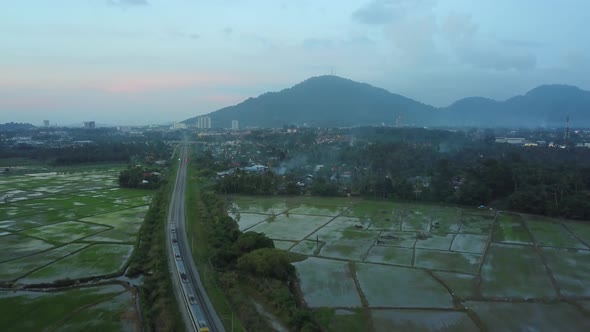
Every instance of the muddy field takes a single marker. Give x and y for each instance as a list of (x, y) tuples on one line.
[(61, 227), (420, 267)]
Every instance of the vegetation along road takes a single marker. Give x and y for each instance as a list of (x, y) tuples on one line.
[(193, 301)]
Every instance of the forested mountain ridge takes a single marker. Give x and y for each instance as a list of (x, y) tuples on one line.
[(331, 101), (543, 106), (325, 101)]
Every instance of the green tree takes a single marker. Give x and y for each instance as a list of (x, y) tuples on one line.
[(267, 263)]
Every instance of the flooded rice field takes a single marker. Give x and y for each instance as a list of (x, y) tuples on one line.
[(415, 267), (56, 228)]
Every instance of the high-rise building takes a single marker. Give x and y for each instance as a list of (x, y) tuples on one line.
[(89, 124), (203, 122), (179, 125), (235, 125), (45, 123)]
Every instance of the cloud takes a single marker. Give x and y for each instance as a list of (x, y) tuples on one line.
[(129, 2), (469, 47), (140, 83), (492, 59), (375, 12), (521, 43), (413, 40), (576, 59), (459, 28), (187, 35), (378, 12), (179, 33), (313, 43), (337, 44)]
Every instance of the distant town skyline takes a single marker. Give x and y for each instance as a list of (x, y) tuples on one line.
[(134, 62)]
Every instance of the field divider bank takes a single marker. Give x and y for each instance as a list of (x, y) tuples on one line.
[(363, 297), (538, 251)]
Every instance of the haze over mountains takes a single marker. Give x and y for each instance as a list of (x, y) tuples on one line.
[(332, 101)]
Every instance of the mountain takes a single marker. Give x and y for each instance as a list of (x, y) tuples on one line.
[(331, 101), (327, 101), (543, 106)]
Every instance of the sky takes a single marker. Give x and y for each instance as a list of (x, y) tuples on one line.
[(136, 62)]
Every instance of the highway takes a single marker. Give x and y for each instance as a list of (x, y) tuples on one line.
[(193, 302)]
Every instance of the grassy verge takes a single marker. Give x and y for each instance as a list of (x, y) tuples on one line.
[(196, 214), (158, 305), (242, 271)]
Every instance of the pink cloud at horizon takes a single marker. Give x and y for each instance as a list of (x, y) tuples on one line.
[(145, 83), (46, 78)]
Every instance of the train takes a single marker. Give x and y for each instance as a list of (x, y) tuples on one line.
[(190, 299)]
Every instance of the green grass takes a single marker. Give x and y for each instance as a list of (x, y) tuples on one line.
[(463, 285), (582, 230), (50, 207), (116, 314), (64, 232), (447, 261), (306, 247), (327, 283), (530, 316), (437, 242), (571, 269), (510, 228), (391, 286), (317, 210), (476, 224), (15, 246), (265, 205), (197, 232), (515, 271), (549, 232), (422, 321), (36, 220), (95, 260), (36, 311), (390, 255), (16, 268), (291, 227), (342, 319), (125, 225)]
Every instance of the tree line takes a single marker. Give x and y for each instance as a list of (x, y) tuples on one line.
[(248, 262), (88, 153), (538, 180)]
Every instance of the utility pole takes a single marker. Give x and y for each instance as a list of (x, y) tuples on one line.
[(566, 135)]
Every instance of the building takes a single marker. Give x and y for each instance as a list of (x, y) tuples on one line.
[(179, 125), (204, 122), (45, 123), (511, 140), (89, 124), (235, 125)]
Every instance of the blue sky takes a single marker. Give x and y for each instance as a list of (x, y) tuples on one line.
[(154, 61)]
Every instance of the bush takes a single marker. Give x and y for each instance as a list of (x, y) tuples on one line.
[(251, 241), (267, 263)]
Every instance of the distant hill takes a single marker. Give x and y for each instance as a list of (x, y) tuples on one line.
[(327, 101), (331, 101), (544, 106)]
